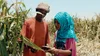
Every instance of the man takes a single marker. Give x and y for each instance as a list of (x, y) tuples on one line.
[(36, 30)]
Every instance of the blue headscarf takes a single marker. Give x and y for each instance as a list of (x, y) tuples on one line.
[(66, 27)]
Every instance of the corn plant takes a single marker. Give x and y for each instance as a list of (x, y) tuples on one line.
[(10, 26)]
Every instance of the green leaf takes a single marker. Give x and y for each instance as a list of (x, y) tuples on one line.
[(1, 2), (21, 3), (3, 48), (30, 43), (1, 29), (15, 4)]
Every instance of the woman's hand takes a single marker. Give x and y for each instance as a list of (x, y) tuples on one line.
[(48, 49)]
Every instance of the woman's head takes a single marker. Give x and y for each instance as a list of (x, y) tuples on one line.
[(65, 25), (61, 19)]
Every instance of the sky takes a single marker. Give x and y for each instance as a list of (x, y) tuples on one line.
[(79, 8)]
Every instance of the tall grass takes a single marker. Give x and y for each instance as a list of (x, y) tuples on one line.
[(10, 25), (11, 20)]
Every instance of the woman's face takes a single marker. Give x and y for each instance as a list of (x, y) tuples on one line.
[(57, 25)]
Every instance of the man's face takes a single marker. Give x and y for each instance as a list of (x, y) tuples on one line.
[(42, 13)]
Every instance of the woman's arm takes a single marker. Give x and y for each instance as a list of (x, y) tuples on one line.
[(57, 51), (60, 51)]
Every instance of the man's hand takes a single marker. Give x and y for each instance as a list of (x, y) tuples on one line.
[(32, 49)]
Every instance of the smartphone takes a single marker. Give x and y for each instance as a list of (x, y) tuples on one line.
[(45, 48)]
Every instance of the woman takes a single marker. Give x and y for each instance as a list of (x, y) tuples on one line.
[(65, 39)]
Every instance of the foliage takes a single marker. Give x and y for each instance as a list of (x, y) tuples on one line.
[(51, 27), (10, 25)]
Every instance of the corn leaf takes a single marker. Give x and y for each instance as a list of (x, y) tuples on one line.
[(30, 43)]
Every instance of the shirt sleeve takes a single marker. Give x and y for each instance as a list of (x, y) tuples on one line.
[(71, 45), (47, 36), (25, 31)]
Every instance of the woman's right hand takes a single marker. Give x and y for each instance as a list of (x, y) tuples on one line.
[(48, 49)]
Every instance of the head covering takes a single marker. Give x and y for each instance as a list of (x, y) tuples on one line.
[(40, 13), (43, 6), (66, 27)]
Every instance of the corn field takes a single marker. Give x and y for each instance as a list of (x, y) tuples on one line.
[(13, 16), (88, 33)]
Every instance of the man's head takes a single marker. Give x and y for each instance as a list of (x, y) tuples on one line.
[(43, 6), (42, 9)]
